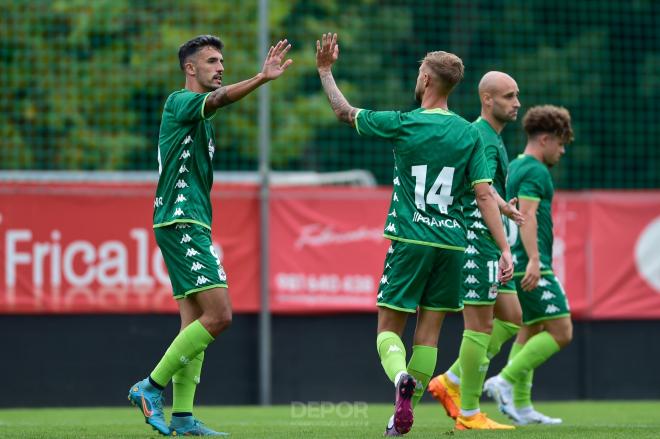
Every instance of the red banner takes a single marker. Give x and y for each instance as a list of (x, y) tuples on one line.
[(90, 248), (72, 248)]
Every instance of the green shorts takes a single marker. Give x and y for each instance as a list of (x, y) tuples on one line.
[(480, 284), (548, 301), (417, 275), (190, 258)]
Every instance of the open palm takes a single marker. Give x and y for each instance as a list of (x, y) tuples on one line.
[(273, 66), (327, 51)]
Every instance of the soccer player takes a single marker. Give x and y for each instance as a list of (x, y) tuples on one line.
[(460, 387), (182, 226), (546, 316), (435, 153)]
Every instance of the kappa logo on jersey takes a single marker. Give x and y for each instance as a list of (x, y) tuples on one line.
[(471, 235), (158, 201), (191, 252), (392, 213), (474, 202), (471, 294), (543, 282), (476, 214), (551, 309), (471, 279), (478, 225), (184, 155), (180, 198), (447, 222), (383, 280), (183, 169), (196, 266), (211, 148), (390, 250), (396, 182), (547, 295), (471, 265), (201, 280), (395, 197), (181, 184), (387, 265), (222, 275), (390, 228), (187, 140), (186, 238), (470, 250)]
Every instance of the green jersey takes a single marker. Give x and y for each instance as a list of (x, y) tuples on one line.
[(497, 162), (185, 152), (530, 179), (435, 153)]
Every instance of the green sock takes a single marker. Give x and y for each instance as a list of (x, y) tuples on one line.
[(421, 366), (186, 346), (474, 365), (502, 331), (522, 390), (456, 367), (535, 352), (392, 353), (184, 384)]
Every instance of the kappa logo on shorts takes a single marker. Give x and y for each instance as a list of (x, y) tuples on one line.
[(180, 198), (390, 228), (387, 265), (187, 140), (201, 280), (380, 295), (191, 252), (471, 294), (547, 295), (471, 280), (196, 266), (184, 155), (392, 213), (471, 235), (396, 182), (181, 184), (183, 169), (395, 197), (390, 250), (551, 309), (178, 211), (221, 274), (470, 250), (471, 265), (186, 238), (383, 280), (543, 282)]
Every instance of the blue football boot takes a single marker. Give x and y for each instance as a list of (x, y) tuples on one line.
[(149, 401), (190, 426)]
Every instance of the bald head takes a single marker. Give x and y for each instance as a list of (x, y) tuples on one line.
[(494, 81), (499, 98)]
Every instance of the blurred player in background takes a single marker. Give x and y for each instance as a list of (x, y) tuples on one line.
[(182, 225), (460, 387), (436, 153), (546, 316)]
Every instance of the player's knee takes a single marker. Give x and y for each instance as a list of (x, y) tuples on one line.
[(564, 336), (219, 323)]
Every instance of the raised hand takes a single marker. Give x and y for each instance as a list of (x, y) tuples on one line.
[(327, 51), (273, 66)]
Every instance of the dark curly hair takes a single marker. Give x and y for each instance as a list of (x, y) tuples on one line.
[(191, 47), (548, 119)]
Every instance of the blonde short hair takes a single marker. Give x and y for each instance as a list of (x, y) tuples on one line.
[(446, 67)]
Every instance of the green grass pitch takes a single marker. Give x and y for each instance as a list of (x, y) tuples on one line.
[(611, 419)]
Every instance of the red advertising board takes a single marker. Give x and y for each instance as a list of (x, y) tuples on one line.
[(72, 248)]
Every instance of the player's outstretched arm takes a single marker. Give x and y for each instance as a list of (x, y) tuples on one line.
[(491, 216), (273, 67), (327, 52)]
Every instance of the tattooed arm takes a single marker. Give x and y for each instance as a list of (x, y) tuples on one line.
[(327, 52)]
